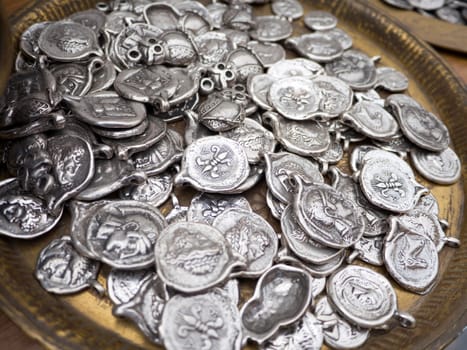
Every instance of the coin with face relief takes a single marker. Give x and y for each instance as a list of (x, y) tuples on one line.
[(254, 138), (355, 68), (307, 334), (154, 189), (341, 36), (427, 5), (202, 321), (391, 79), (160, 156), (123, 233), (290, 9), (258, 88), (371, 120), (213, 47), (296, 67), (300, 243), (250, 236), (339, 334), (61, 270), (326, 215), (369, 250), (410, 258), (389, 183), (21, 214), (267, 53), (275, 206), (92, 19), (365, 298), (306, 138), (280, 166), (123, 285), (317, 46), (443, 168), (109, 176), (417, 124), (205, 208), (282, 296), (67, 41), (214, 164), (192, 257), (145, 308), (320, 20), (271, 28), (29, 40)]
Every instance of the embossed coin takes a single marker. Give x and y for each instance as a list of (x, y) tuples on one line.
[(443, 167), (318, 46), (320, 20), (155, 189), (369, 250), (290, 9), (258, 87), (390, 79), (296, 67), (123, 285), (267, 53), (271, 28), (92, 19), (29, 40), (335, 97)]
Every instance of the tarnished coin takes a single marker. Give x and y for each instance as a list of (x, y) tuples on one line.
[(391, 79), (410, 258), (442, 168), (355, 68), (295, 98), (320, 20), (326, 215), (305, 138), (420, 126), (271, 28), (336, 97), (290, 9), (364, 297), (296, 67), (145, 308), (123, 285), (254, 138), (317, 46), (205, 208), (155, 189), (192, 257), (214, 164), (123, 233), (369, 250), (67, 41), (389, 183), (258, 88), (340, 334), (29, 40), (209, 321), (21, 214), (92, 19), (250, 236), (371, 120), (61, 270), (280, 166), (281, 297), (300, 243), (267, 53)]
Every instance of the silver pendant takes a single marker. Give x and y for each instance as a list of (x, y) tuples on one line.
[(341, 36), (276, 207), (92, 19), (72, 78), (369, 250), (163, 16), (155, 189), (29, 40), (391, 79), (320, 20), (335, 97), (267, 53), (317, 46), (271, 28), (442, 168), (258, 88), (296, 67), (290, 9), (245, 64), (213, 47), (123, 285)]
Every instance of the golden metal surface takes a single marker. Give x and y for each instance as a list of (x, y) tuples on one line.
[(84, 321)]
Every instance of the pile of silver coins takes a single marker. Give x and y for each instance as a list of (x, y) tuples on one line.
[(114, 110), (452, 11)]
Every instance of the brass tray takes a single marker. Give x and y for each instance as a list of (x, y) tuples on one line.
[(84, 321)]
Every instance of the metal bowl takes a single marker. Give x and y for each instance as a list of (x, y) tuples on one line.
[(6, 50)]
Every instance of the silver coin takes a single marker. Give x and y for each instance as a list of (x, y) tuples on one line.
[(216, 11), (207, 320), (245, 64), (250, 236), (254, 138), (123, 285), (72, 78), (23, 64), (124, 133), (320, 20), (281, 297), (279, 167), (369, 250), (370, 95), (341, 334), (399, 145), (363, 296), (161, 15), (357, 155), (305, 138), (109, 176), (341, 36), (290, 9), (205, 208), (335, 97), (104, 75), (450, 15), (355, 68), (21, 214), (410, 258), (117, 21), (258, 88), (326, 215), (123, 233), (267, 53), (239, 16), (213, 47), (419, 126), (155, 190), (443, 168), (214, 164), (192, 257), (317, 46), (254, 176), (29, 40), (300, 243), (238, 37), (389, 183), (61, 270), (402, 4), (275, 206), (67, 41), (427, 5), (92, 19), (391, 79), (371, 120), (429, 204), (271, 28), (332, 155), (296, 67)]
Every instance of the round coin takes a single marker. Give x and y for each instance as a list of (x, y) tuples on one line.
[(443, 168)]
